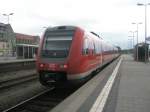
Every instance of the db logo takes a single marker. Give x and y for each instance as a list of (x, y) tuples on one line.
[(52, 65)]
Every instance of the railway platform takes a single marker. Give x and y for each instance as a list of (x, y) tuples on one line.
[(131, 90), (11, 64), (123, 86), (13, 60)]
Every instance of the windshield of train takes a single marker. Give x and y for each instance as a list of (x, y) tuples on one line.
[(57, 43)]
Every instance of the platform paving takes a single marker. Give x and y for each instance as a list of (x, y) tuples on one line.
[(131, 93)]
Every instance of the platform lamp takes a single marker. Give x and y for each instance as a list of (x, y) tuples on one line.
[(130, 44), (145, 5), (137, 39), (7, 15), (132, 37)]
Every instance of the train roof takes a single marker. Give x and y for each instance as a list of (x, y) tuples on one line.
[(61, 28), (71, 28)]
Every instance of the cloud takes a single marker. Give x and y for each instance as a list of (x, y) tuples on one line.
[(111, 18)]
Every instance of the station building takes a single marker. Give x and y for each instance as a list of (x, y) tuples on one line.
[(16, 44), (26, 45), (7, 40)]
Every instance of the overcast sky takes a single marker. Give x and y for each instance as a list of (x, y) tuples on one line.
[(111, 19)]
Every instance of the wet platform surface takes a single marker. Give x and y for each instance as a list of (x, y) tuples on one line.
[(131, 90)]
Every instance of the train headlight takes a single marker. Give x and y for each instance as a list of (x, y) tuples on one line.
[(65, 66), (41, 65)]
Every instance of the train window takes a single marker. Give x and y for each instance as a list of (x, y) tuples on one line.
[(91, 45), (57, 44), (58, 33), (94, 44), (97, 47), (85, 50), (56, 49), (100, 46), (104, 47)]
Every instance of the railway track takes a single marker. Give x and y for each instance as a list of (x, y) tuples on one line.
[(12, 82), (16, 72), (44, 101)]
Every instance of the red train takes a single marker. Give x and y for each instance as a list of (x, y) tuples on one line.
[(70, 54)]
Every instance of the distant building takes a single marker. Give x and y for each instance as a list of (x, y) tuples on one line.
[(7, 40), (27, 39), (143, 52), (17, 44), (26, 45)]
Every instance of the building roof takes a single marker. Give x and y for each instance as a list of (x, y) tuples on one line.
[(2, 24), (24, 36)]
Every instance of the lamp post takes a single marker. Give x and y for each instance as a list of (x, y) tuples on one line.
[(145, 5), (137, 39), (130, 44), (132, 37), (8, 40), (7, 15)]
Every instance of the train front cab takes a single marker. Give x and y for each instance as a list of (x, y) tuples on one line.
[(54, 54)]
